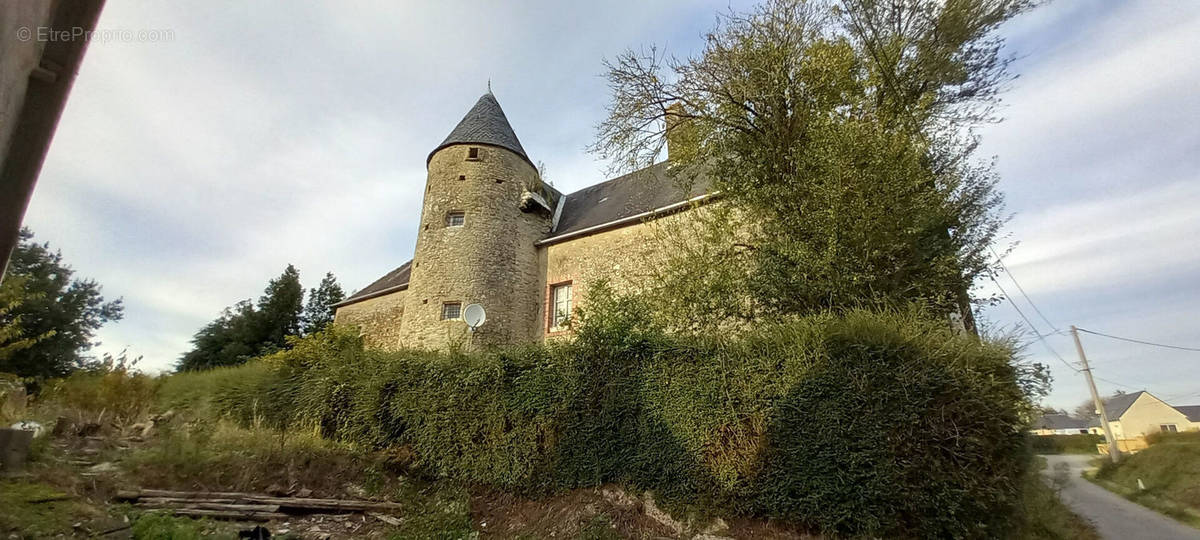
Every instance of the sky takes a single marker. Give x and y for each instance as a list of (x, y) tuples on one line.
[(222, 141)]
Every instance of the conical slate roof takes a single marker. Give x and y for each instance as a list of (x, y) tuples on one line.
[(485, 123)]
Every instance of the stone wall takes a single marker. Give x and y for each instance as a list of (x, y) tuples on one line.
[(491, 259), (625, 256), (379, 319)]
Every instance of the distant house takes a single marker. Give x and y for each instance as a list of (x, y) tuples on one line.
[(1138, 414), (1192, 412), (1059, 424)]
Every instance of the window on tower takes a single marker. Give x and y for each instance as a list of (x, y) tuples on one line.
[(456, 219), (472, 153), (451, 311)]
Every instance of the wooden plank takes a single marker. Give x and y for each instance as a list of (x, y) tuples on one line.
[(185, 500), (220, 514), (301, 503), (386, 519), (157, 503)]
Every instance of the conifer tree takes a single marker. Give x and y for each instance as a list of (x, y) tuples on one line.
[(319, 311), (279, 309)]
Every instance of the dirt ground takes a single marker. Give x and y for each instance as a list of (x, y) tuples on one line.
[(69, 487)]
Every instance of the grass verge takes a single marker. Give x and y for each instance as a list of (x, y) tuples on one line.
[(1169, 472)]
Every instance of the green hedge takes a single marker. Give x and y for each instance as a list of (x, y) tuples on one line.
[(1065, 444), (867, 423)]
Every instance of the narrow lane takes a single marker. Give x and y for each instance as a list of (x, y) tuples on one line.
[(1113, 516)]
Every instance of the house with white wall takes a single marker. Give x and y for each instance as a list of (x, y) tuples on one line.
[(1059, 424), (1138, 414)]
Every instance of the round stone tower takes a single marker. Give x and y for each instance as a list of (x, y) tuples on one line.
[(484, 208)]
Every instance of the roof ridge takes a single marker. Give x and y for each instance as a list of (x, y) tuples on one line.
[(616, 178)]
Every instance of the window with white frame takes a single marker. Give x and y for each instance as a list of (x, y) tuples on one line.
[(451, 311), (456, 219), (560, 306), (1168, 428)]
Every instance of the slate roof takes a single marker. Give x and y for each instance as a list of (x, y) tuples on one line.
[(1059, 421), (485, 123), (1192, 412), (393, 280), (624, 196), (1116, 405)]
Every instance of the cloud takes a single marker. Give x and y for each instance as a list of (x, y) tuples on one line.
[(186, 174)]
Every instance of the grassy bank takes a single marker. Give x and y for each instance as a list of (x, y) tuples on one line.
[(1170, 471)]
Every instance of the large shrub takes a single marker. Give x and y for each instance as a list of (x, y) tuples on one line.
[(862, 423)]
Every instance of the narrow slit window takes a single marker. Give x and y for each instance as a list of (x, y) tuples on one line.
[(456, 219), (451, 311), (560, 306)]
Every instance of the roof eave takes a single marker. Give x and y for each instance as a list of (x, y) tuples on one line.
[(629, 220), (376, 294), (468, 143)]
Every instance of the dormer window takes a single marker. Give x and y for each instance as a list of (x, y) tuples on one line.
[(472, 154), (456, 219)]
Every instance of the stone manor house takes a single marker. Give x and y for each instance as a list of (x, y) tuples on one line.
[(492, 233)]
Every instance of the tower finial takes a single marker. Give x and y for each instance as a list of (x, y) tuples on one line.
[(489, 85)]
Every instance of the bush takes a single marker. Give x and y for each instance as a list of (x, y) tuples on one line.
[(866, 423), (110, 389), (1065, 444)]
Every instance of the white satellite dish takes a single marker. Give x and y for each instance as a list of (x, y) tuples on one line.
[(474, 315)]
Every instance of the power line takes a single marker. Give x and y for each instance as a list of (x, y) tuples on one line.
[(1131, 340), (1022, 289), (1178, 396), (1030, 323), (1116, 383)]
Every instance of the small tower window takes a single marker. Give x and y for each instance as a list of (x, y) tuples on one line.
[(456, 219), (451, 311), (472, 153)]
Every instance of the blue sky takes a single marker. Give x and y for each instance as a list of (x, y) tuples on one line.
[(185, 173)]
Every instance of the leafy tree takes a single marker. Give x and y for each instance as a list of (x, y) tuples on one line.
[(228, 340), (838, 133), (60, 314), (1086, 410), (319, 310), (13, 337)]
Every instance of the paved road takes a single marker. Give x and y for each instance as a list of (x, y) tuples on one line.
[(1114, 517)]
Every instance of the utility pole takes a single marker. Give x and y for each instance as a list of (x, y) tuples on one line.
[(1114, 453)]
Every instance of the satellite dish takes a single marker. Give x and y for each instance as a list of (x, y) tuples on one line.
[(474, 315)]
